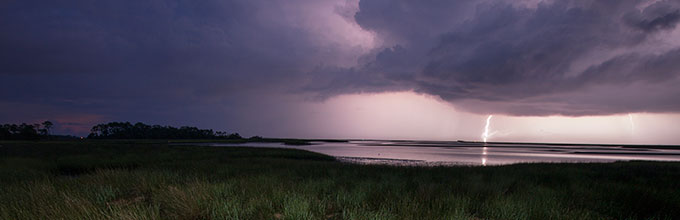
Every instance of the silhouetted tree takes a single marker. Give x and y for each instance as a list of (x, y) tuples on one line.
[(47, 126), (234, 136), (126, 130), (20, 132)]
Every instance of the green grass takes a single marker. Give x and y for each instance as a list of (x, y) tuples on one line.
[(151, 180)]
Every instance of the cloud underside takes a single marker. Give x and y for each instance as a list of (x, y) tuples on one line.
[(511, 57), (561, 57)]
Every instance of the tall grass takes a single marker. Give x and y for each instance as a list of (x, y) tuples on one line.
[(151, 180)]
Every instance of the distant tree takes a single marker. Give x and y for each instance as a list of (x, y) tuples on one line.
[(5, 133), (28, 132), (19, 132), (126, 130), (14, 129), (234, 136), (47, 126)]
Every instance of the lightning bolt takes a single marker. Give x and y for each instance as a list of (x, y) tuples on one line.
[(486, 134), (632, 124)]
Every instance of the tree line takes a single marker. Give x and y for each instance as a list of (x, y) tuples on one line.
[(127, 130), (25, 131)]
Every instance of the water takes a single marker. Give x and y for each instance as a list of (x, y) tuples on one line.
[(474, 153)]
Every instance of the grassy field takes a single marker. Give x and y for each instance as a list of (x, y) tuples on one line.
[(151, 180)]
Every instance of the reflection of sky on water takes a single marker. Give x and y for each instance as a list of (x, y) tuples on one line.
[(470, 153)]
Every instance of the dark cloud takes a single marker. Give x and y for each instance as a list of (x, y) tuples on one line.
[(634, 68), (523, 60), (505, 52), (150, 60), (407, 22), (661, 15), (184, 61)]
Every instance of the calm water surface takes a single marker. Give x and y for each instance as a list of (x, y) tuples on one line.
[(474, 153)]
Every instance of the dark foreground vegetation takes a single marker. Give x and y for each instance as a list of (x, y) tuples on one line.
[(151, 180)]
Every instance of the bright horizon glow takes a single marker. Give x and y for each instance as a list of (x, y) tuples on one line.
[(413, 116)]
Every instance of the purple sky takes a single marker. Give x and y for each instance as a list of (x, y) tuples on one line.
[(549, 70)]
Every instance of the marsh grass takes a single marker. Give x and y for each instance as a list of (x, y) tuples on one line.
[(151, 180)]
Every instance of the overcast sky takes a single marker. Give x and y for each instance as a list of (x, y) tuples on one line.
[(550, 70)]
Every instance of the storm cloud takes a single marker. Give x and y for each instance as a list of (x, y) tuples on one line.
[(153, 59), (523, 59)]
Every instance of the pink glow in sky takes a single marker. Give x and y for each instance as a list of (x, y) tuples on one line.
[(407, 115), (548, 70)]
